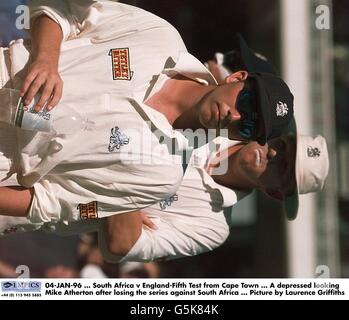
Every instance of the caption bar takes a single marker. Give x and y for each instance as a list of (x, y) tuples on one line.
[(169, 289)]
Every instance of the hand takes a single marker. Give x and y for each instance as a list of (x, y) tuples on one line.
[(147, 222), (43, 76)]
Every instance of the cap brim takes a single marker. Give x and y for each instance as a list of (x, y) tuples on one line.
[(246, 53), (291, 203), (252, 62)]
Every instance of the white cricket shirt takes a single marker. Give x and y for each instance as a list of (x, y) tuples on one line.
[(190, 222), (114, 57)]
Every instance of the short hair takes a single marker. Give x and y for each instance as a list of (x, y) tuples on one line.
[(233, 61)]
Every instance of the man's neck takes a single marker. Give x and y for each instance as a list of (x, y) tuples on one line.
[(177, 100)]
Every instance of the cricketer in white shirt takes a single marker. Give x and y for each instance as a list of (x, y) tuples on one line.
[(190, 222), (117, 163)]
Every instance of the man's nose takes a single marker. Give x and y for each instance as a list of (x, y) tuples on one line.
[(271, 153), (235, 115)]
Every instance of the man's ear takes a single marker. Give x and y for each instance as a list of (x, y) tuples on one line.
[(276, 194), (236, 76)]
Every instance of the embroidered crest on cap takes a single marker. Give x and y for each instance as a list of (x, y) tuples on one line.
[(281, 109), (88, 210), (117, 139), (121, 64), (167, 202), (313, 152)]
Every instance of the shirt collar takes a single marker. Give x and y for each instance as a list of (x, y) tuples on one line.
[(161, 128), (190, 67), (186, 65), (202, 157)]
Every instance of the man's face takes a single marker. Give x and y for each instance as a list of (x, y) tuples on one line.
[(217, 109), (270, 167)]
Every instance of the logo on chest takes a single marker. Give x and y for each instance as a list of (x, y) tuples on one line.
[(117, 139), (168, 202), (120, 58), (88, 210)]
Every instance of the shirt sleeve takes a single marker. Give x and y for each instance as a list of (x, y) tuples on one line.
[(97, 20), (74, 17), (66, 200), (172, 240), (58, 11), (60, 197)]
